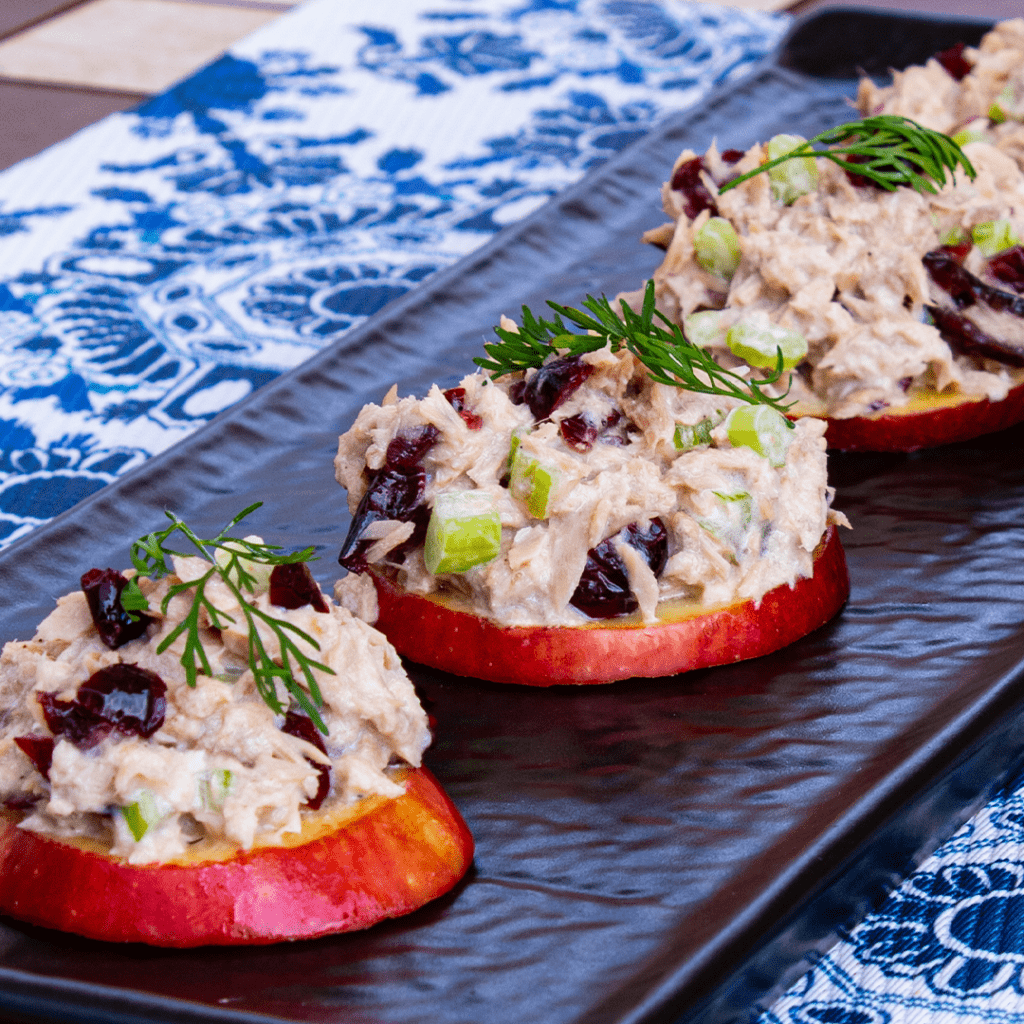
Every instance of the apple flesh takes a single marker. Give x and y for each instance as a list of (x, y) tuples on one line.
[(347, 870), (431, 632), (926, 425)]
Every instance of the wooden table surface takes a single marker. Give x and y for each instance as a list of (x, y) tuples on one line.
[(67, 63)]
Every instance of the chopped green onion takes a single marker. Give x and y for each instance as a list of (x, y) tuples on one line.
[(718, 248), (994, 236), (141, 815), (697, 435), (704, 328), (796, 177), (757, 341), (761, 429), (533, 483), (464, 531)]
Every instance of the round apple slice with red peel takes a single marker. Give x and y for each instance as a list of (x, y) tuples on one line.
[(349, 868), (926, 421), (432, 631)]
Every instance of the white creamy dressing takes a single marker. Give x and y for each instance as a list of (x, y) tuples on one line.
[(737, 526), (842, 264), (220, 726)]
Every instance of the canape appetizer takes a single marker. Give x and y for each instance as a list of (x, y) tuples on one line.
[(206, 750), (888, 264), (589, 507)]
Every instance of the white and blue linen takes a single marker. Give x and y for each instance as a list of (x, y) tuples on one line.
[(159, 266)]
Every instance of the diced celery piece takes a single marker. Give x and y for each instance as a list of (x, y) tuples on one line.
[(533, 483), (973, 131), (141, 815), (718, 248), (694, 435), (954, 236), (993, 236), (794, 178), (757, 342), (258, 570), (513, 447), (216, 786), (703, 328), (464, 531), (1007, 106), (731, 520), (743, 503), (761, 428)]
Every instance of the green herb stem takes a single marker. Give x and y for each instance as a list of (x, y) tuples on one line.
[(662, 347), (151, 557), (888, 150)]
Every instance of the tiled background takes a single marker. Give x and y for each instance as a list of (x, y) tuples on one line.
[(66, 63)]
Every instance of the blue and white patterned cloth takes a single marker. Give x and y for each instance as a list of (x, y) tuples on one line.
[(157, 267), (160, 265)]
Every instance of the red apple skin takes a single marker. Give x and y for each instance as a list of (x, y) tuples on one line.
[(431, 633), (398, 855), (928, 428)]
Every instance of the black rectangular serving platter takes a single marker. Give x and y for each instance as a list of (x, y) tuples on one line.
[(648, 851)]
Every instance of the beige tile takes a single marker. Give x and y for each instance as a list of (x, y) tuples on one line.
[(131, 45)]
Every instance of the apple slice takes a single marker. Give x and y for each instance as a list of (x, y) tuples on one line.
[(432, 632), (926, 422), (348, 869)]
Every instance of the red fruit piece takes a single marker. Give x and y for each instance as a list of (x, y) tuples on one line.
[(302, 726), (102, 589), (292, 586), (119, 698)]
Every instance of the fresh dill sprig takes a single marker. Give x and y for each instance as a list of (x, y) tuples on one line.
[(669, 356), (150, 555), (887, 149)]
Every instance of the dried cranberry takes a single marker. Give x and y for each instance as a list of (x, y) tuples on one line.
[(302, 727), (603, 590), (1008, 266), (858, 179), (686, 179), (552, 384), (396, 492), (964, 288), (102, 589), (580, 432), (292, 586), (21, 803), (39, 750), (408, 448), (123, 698), (965, 337), (954, 63), (457, 399), (732, 156)]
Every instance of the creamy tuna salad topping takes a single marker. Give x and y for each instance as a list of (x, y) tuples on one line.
[(580, 489), (150, 731), (879, 299)]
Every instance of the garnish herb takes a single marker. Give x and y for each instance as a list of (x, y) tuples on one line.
[(669, 356), (888, 150), (150, 555)]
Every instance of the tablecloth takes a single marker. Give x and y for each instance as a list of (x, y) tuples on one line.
[(159, 266)]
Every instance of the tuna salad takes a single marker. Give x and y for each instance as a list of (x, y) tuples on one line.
[(880, 299), (580, 489), (148, 734)]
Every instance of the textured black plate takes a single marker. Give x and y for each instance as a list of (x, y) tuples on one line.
[(648, 850)]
